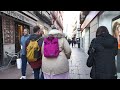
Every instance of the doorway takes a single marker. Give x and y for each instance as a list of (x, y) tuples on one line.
[(18, 34), (1, 42), (19, 27)]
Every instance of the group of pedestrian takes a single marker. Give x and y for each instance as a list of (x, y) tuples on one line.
[(49, 53), (73, 41)]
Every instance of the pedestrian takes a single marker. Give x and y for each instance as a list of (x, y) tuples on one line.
[(73, 42), (36, 56), (55, 65), (23, 54), (105, 48)]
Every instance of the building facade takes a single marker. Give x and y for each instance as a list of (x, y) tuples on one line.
[(45, 20), (57, 19), (12, 24)]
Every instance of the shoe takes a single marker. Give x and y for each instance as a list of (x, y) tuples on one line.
[(23, 77)]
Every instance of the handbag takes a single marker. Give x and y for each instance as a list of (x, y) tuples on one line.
[(19, 63), (91, 58)]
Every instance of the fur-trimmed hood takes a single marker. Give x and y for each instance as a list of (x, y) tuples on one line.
[(56, 33)]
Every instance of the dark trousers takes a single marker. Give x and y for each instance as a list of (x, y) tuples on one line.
[(36, 73), (72, 44), (24, 65)]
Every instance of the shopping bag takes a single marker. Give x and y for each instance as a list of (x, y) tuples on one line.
[(19, 63)]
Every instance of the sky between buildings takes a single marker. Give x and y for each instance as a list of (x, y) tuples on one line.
[(68, 19)]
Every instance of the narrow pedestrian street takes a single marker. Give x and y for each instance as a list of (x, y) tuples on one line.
[(78, 68), (77, 64)]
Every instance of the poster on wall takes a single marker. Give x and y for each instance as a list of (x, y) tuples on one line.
[(116, 29)]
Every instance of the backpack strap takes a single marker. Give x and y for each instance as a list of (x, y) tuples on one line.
[(38, 39)]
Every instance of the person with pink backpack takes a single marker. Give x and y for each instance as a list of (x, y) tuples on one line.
[(55, 54)]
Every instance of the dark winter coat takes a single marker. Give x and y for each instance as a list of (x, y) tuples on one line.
[(38, 63), (106, 48)]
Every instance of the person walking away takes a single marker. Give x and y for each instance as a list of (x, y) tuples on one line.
[(33, 50), (105, 49), (55, 54), (72, 41), (23, 55)]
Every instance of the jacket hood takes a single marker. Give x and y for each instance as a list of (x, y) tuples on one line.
[(56, 33), (107, 40)]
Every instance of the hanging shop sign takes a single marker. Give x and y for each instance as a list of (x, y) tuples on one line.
[(20, 16)]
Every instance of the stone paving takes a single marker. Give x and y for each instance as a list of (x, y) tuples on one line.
[(77, 64)]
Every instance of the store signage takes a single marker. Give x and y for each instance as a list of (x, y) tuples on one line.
[(19, 16)]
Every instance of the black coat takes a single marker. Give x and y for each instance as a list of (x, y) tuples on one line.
[(106, 48)]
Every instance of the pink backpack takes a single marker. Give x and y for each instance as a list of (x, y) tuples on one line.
[(51, 47)]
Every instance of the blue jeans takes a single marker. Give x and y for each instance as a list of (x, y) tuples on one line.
[(36, 73), (24, 65)]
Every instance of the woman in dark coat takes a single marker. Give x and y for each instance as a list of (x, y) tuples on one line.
[(106, 48)]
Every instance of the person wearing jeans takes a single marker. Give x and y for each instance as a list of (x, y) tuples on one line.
[(23, 54), (24, 65), (36, 73)]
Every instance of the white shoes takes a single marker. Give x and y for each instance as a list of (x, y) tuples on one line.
[(23, 77)]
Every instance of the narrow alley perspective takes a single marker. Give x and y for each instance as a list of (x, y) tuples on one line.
[(60, 45)]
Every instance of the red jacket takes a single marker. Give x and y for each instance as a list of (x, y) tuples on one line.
[(36, 64)]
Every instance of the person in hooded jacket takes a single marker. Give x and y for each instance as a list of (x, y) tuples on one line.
[(37, 64), (57, 68), (106, 48)]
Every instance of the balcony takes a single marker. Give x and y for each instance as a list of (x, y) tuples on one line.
[(44, 16), (83, 15)]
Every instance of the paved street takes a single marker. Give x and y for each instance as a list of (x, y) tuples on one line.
[(14, 73), (78, 68), (77, 63)]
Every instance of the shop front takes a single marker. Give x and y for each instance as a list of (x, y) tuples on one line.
[(13, 24)]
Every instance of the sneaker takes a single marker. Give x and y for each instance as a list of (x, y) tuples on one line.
[(23, 77)]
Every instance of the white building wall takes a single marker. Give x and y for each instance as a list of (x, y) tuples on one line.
[(93, 28), (86, 40)]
